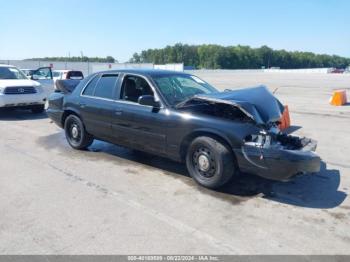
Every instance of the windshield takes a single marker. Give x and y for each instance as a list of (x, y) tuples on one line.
[(178, 88), (11, 73)]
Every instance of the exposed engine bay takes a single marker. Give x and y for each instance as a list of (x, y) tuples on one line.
[(275, 138), (215, 109), (257, 104)]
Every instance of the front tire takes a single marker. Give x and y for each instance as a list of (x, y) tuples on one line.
[(210, 162), (76, 135)]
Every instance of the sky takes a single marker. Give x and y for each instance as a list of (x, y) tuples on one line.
[(120, 28)]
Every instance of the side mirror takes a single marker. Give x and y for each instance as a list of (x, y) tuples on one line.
[(34, 77), (148, 100)]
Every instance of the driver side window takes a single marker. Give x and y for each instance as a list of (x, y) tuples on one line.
[(133, 87)]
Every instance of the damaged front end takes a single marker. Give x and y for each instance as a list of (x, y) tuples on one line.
[(268, 152), (278, 156)]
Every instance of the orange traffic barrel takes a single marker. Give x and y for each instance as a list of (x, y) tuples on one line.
[(338, 98), (285, 119)]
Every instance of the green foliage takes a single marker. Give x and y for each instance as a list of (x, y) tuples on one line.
[(237, 57), (108, 59)]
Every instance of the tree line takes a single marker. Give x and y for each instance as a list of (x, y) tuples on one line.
[(237, 57), (107, 59)]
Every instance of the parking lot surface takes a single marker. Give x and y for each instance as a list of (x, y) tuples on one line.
[(111, 200)]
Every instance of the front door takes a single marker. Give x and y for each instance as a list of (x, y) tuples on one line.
[(138, 126), (43, 75)]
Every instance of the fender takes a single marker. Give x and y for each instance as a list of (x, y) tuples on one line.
[(68, 110), (232, 143)]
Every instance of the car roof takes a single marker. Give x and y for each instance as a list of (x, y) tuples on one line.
[(145, 72), (66, 70)]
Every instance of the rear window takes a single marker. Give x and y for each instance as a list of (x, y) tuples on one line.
[(105, 86), (75, 75), (90, 88)]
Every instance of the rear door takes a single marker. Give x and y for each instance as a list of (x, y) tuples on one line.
[(97, 104)]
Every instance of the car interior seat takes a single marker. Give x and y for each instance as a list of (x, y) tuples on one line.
[(131, 93)]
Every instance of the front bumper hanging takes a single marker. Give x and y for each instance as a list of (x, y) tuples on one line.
[(278, 163)]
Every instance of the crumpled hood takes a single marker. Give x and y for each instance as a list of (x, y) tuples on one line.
[(256, 102), (17, 82)]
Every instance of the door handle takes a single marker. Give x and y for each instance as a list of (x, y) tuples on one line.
[(118, 112)]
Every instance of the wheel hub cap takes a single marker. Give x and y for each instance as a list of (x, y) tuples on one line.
[(75, 132), (203, 163)]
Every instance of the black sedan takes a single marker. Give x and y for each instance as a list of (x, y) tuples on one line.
[(181, 117)]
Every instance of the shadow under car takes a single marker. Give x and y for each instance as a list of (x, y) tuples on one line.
[(18, 114), (311, 190)]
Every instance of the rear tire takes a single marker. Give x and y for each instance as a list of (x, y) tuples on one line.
[(210, 162), (38, 109), (76, 135)]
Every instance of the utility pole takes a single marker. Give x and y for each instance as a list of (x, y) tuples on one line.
[(67, 60)]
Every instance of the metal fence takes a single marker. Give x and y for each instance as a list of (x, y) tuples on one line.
[(87, 67)]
